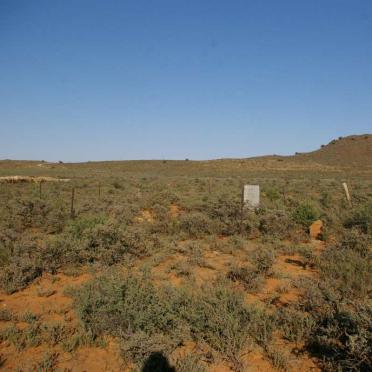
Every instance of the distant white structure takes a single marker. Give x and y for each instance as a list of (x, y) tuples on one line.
[(251, 196)]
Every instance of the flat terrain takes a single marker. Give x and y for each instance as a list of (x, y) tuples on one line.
[(138, 265)]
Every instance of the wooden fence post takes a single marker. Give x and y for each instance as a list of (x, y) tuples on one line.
[(344, 184), (72, 211), (241, 208)]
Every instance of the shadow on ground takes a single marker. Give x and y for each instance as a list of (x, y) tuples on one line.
[(157, 362)]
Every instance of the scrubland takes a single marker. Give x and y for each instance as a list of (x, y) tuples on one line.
[(158, 262)]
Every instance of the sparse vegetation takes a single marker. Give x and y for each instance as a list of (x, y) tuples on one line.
[(305, 214), (164, 260)]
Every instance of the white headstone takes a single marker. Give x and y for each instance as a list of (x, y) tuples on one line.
[(251, 196)]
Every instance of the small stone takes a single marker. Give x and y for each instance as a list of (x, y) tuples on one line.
[(316, 229)]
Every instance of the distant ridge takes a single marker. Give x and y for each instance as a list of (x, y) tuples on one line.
[(350, 154), (347, 151)]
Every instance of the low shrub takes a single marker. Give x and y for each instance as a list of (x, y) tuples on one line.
[(218, 316), (272, 193), (59, 250), (196, 224), (275, 224), (226, 213), (5, 315), (305, 214), (263, 259), (48, 362), (190, 363), (356, 241), (296, 325), (28, 337), (339, 305), (250, 277), (325, 199), (149, 319), (346, 272), (361, 218), (343, 339), (123, 305), (278, 359), (19, 273), (139, 346), (78, 226)]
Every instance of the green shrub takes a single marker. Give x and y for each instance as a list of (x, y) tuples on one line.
[(343, 339), (13, 335), (148, 319), (278, 359), (272, 193), (108, 243), (190, 363), (19, 273), (226, 213), (356, 241), (79, 225), (78, 338), (5, 315), (55, 333), (181, 268), (346, 271), (28, 317), (29, 337), (123, 305), (326, 199), (250, 277), (218, 316), (196, 224), (57, 218), (305, 214), (338, 304), (263, 259), (48, 362), (297, 326), (361, 218), (308, 257), (275, 224), (139, 346), (58, 250)]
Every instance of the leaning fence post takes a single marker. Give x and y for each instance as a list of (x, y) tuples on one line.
[(344, 184), (72, 211), (99, 191)]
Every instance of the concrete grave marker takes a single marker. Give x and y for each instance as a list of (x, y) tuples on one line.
[(251, 196)]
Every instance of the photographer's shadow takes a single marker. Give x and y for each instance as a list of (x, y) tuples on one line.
[(157, 362)]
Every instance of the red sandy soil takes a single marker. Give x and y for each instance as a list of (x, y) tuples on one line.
[(57, 307)]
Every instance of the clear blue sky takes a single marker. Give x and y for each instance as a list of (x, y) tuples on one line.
[(170, 79)]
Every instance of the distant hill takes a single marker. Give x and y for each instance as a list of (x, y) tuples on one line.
[(352, 154), (342, 152)]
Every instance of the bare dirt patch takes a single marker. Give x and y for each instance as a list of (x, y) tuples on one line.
[(45, 300)]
